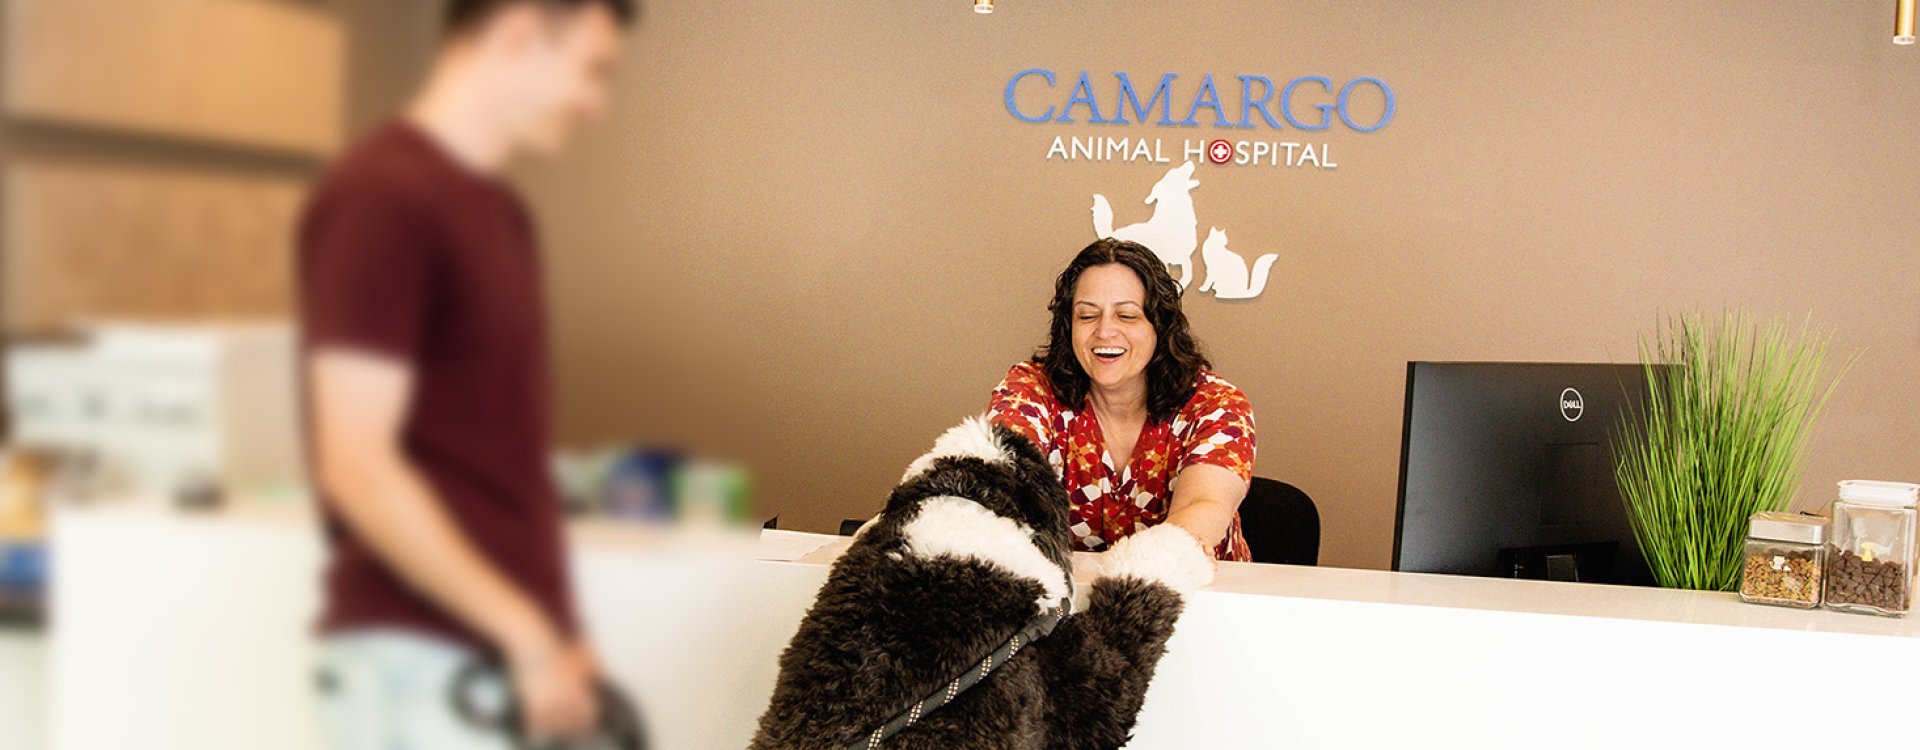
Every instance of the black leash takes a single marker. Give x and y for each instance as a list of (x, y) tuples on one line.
[(1037, 628), (620, 726)]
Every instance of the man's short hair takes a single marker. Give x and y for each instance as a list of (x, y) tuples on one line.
[(463, 15)]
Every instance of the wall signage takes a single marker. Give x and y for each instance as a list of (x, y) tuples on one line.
[(1307, 104), (1127, 115)]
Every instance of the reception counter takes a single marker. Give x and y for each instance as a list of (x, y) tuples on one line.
[(173, 631)]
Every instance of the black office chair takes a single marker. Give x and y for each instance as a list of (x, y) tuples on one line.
[(1280, 523)]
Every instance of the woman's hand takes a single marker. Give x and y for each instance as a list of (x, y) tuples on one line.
[(1206, 548)]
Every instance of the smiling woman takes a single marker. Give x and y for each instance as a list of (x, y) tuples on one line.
[(1122, 403)]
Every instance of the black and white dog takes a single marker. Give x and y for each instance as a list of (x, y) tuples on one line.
[(972, 548)]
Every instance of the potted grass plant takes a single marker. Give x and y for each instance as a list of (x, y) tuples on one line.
[(1728, 417)]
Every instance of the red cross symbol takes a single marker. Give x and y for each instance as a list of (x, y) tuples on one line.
[(1220, 152)]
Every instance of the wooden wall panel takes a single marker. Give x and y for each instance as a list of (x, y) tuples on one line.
[(105, 242), (256, 73)]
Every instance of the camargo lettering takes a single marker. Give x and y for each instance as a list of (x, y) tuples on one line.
[(1033, 96)]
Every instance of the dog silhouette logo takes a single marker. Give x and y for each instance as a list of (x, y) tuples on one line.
[(1172, 232)]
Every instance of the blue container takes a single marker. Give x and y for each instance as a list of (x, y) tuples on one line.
[(639, 487), (23, 566)]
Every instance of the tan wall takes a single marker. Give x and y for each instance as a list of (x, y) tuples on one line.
[(812, 237), (389, 45)]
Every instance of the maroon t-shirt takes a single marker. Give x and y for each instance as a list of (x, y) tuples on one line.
[(407, 254)]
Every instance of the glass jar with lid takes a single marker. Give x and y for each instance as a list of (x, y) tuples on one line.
[(1870, 548), (1785, 560)]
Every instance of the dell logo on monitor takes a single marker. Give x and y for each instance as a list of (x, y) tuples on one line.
[(1571, 405)]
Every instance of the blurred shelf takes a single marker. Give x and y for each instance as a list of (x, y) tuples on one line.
[(252, 74)]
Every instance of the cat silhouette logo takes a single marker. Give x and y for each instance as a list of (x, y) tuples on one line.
[(1173, 232)]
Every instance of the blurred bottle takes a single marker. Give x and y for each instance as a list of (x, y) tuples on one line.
[(22, 481), (710, 494), (640, 485)]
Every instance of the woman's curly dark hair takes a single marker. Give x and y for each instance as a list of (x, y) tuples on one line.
[(1174, 372)]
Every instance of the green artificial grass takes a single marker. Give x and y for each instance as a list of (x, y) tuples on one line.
[(1720, 437)]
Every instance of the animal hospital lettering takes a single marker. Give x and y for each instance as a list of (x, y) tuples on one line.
[(1154, 151)]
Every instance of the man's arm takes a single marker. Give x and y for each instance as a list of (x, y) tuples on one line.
[(359, 403)]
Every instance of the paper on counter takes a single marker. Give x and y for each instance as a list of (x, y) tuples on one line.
[(780, 545)]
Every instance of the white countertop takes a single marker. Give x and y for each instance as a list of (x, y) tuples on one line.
[(1543, 598), (1254, 579), (1722, 608)]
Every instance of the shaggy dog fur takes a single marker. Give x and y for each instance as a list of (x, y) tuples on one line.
[(933, 584)]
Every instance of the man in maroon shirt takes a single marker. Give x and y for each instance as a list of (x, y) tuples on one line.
[(426, 386)]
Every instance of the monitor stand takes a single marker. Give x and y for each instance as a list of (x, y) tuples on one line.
[(1574, 563), (1563, 568)]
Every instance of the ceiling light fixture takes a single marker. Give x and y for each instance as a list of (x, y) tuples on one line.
[(1903, 22), (986, 6)]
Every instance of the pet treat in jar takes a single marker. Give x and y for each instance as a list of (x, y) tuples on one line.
[(1870, 548), (1784, 560)]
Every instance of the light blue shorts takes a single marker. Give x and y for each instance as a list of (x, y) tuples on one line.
[(393, 690)]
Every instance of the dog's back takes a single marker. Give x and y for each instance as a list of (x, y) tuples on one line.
[(971, 547), (947, 572)]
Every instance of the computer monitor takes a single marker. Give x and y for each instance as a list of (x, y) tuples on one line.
[(1506, 471)]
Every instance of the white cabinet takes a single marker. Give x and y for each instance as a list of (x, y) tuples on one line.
[(51, 397), (23, 689), (165, 405)]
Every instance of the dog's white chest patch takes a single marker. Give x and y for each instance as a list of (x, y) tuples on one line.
[(963, 528)]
